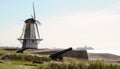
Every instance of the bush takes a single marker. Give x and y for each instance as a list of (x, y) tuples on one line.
[(103, 65), (79, 65), (23, 57)]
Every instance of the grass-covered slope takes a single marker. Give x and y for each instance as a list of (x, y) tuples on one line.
[(11, 60), (70, 63)]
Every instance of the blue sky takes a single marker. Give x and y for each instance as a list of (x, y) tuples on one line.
[(14, 8), (19, 10), (64, 22)]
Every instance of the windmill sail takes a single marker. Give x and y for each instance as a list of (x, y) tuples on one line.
[(34, 16)]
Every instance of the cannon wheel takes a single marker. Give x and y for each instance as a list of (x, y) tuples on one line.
[(60, 57)]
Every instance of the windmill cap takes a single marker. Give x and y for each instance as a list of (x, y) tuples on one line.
[(30, 20)]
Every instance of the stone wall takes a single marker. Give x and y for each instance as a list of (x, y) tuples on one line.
[(82, 54)]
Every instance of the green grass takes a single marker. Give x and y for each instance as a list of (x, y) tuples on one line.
[(68, 63), (8, 64), (78, 65), (12, 60), (24, 57), (15, 66)]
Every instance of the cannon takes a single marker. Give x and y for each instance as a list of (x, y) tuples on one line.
[(21, 50), (59, 55)]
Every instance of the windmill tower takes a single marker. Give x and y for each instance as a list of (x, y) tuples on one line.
[(30, 37)]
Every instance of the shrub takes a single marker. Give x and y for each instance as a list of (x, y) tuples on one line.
[(78, 65), (23, 57)]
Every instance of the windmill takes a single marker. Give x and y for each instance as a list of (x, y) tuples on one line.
[(30, 37)]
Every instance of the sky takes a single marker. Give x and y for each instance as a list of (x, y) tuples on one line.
[(64, 23)]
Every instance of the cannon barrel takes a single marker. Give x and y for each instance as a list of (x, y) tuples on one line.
[(21, 50), (59, 55)]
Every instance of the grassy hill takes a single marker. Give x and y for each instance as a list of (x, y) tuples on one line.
[(10, 60)]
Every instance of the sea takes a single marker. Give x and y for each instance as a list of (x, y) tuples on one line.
[(115, 52)]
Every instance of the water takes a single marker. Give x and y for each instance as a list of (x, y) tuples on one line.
[(116, 52)]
